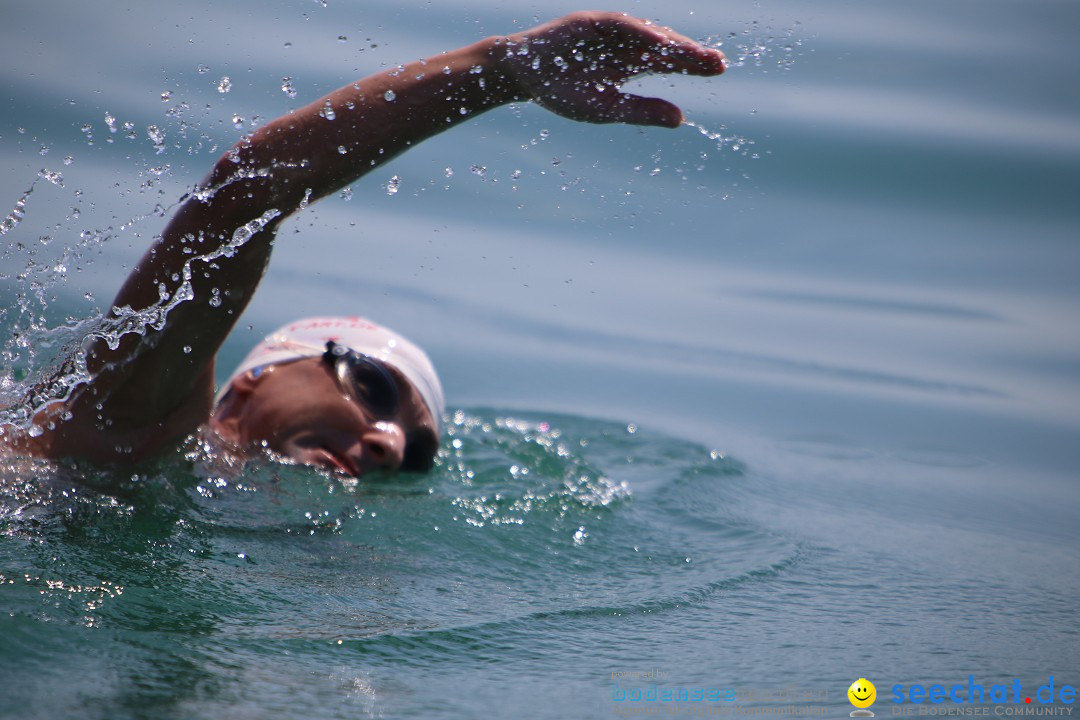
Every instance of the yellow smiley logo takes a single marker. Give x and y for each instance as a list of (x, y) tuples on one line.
[(862, 693)]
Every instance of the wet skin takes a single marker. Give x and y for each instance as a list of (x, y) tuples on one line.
[(298, 409), (152, 388)]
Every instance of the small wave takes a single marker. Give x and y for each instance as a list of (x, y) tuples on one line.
[(491, 641), (529, 527)]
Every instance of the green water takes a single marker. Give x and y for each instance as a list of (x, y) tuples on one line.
[(182, 590)]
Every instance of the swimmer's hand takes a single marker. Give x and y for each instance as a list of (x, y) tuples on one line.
[(574, 66)]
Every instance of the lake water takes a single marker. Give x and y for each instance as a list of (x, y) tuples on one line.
[(786, 407)]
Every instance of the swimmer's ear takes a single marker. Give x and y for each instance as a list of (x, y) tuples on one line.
[(226, 416), (246, 382)]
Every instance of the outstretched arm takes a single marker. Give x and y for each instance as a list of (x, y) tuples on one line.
[(156, 384)]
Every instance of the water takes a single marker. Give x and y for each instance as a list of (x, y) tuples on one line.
[(846, 349)]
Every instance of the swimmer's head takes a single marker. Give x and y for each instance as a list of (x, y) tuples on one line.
[(339, 392), (308, 338)]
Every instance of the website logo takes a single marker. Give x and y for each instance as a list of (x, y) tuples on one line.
[(1006, 699), (862, 695)]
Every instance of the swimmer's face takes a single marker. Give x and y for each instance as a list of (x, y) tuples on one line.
[(862, 693), (300, 410)]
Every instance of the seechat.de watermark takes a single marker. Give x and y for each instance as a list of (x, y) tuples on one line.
[(973, 697), (647, 692), (970, 698)]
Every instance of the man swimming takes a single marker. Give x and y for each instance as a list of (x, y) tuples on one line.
[(343, 394)]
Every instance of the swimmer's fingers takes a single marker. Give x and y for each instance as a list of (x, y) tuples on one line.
[(574, 66), (611, 106), (650, 48), (637, 110)]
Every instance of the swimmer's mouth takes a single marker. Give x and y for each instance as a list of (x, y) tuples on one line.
[(332, 461)]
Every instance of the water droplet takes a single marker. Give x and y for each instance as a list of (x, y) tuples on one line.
[(631, 428), (342, 39), (166, 96), (392, 185), (224, 85), (287, 87), (237, 121), (449, 172), (346, 194), (342, 150), (157, 137), (111, 122), (187, 349), (328, 111), (390, 96), (54, 177)]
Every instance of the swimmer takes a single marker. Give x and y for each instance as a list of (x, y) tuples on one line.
[(342, 394)]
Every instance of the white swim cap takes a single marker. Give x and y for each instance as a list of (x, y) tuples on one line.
[(308, 337)]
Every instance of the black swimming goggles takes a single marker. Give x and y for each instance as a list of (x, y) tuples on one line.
[(364, 379)]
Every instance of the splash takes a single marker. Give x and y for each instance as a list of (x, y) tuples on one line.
[(45, 362), (512, 471), (17, 213), (733, 142), (761, 46)]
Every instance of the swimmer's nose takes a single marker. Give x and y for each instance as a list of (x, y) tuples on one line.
[(383, 446)]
